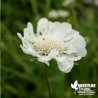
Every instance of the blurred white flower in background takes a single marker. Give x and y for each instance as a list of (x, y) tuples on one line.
[(53, 14), (54, 40), (58, 14), (67, 2), (95, 2), (88, 1)]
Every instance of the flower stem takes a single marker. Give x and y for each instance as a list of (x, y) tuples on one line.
[(47, 81)]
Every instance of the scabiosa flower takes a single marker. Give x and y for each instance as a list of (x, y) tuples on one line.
[(54, 40), (58, 14), (67, 2), (95, 2), (53, 14)]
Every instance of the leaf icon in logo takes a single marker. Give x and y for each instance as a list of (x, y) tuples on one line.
[(74, 86)]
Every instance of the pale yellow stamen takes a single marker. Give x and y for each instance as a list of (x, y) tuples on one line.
[(44, 44)]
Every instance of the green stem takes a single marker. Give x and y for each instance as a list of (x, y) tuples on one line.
[(47, 7), (47, 81)]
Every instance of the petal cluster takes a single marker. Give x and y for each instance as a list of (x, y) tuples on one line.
[(54, 40)]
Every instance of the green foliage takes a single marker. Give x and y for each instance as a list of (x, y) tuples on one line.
[(22, 78)]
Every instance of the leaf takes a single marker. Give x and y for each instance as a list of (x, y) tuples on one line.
[(76, 83), (72, 86)]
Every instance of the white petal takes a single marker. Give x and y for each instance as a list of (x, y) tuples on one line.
[(19, 35), (26, 43), (82, 52), (50, 56), (29, 33), (76, 45), (46, 62), (69, 49), (61, 29), (67, 27), (60, 59), (72, 57), (78, 42), (29, 50), (42, 27), (71, 35), (77, 56), (65, 66), (55, 28)]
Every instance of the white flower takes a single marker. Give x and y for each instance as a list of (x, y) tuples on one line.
[(96, 2), (53, 14), (67, 2), (58, 14), (54, 40), (88, 1)]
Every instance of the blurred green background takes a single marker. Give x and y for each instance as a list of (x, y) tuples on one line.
[(22, 75)]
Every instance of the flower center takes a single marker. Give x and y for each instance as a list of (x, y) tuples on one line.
[(44, 44)]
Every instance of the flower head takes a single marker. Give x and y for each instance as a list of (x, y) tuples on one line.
[(58, 14), (54, 40), (68, 2)]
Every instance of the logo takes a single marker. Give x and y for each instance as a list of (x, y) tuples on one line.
[(83, 89)]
